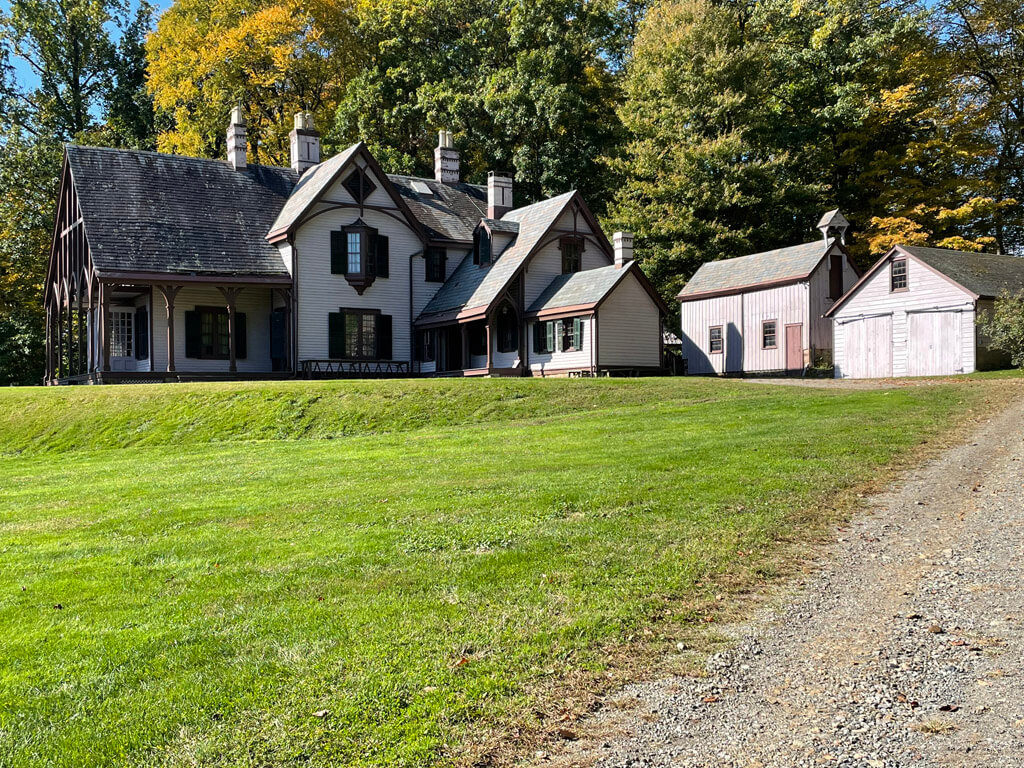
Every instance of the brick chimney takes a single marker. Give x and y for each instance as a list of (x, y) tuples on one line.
[(304, 141), (236, 140), (499, 194), (446, 159), (623, 242)]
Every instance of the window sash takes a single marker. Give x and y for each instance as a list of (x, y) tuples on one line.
[(715, 339), (354, 241), (572, 252), (361, 335), (769, 335), (898, 275), (122, 339)]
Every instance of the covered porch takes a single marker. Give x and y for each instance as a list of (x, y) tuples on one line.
[(471, 343)]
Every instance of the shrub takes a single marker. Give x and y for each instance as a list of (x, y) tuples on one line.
[(1005, 326)]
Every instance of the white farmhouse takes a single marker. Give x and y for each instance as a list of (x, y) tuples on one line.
[(763, 312), (166, 268), (914, 314)]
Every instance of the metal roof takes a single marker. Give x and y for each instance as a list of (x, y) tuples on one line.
[(732, 275), (986, 274), (152, 212)]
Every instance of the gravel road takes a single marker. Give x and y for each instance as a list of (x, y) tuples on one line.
[(904, 648)]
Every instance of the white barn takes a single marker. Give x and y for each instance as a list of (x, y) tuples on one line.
[(764, 312), (914, 313)]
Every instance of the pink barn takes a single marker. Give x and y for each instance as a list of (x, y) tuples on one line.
[(914, 314)]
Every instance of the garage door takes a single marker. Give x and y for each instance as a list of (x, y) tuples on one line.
[(867, 348), (933, 344)]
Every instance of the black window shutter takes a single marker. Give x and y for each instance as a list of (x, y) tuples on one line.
[(241, 351), (339, 253), (384, 337), (538, 338), (336, 335), (383, 256), (193, 334), (141, 334), (277, 334), (421, 346)]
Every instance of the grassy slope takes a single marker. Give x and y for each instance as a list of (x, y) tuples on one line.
[(414, 584)]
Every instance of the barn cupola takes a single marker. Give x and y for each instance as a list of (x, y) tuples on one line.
[(834, 224), (446, 159), (236, 140), (623, 243), (304, 142), (499, 194)]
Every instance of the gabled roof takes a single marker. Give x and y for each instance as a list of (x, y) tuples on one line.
[(783, 265), (449, 212), (833, 218), (501, 225), (472, 287), (151, 212), (312, 184), (579, 289), (982, 275)]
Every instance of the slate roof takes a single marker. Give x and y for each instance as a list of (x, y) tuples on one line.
[(579, 288), (312, 184), (451, 212), (502, 225), (151, 212), (783, 264), (986, 274), (472, 286)]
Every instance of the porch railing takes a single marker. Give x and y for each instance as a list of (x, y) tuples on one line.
[(353, 369)]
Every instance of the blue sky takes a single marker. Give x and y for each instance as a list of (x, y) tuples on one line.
[(22, 70)]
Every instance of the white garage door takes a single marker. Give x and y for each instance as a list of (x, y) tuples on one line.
[(933, 344), (867, 348)]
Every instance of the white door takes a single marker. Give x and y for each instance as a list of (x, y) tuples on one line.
[(867, 348), (934, 344)]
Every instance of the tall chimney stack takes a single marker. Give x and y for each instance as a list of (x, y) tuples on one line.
[(304, 142), (499, 194), (236, 140), (446, 159), (623, 242)]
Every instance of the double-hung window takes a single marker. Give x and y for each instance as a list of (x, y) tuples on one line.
[(357, 334), (715, 340), (122, 341), (769, 335), (572, 254), (361, 254), (435, 265), (355, 252), (898, 275)]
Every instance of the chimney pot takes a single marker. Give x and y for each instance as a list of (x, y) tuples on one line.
[(499, 194), (237, 140), (623, 242), (304, 143), (446, 159)]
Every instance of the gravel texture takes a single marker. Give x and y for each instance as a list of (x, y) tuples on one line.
[(905, 647)]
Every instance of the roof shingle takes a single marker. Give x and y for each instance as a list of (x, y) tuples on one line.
[(986, 274), (579, 288), (792, 263)]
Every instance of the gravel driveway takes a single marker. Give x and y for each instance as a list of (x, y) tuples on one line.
[(904, 648)]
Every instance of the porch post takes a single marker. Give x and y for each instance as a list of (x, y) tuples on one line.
[(81, 333), (488, 346), (49, 340), (105, 326), (465, 346), (169, 292), (231, 296)]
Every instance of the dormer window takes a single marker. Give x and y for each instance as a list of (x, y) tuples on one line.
[(359, 185), (481, 247), (572, 254), (361, 254)]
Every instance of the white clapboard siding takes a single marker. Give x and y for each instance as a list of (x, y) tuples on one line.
[(697, 318), (629, 327), (546, 264), (320, 292), (926, 292), (786, 305), (820, 302), (254, 301), (561, 362)]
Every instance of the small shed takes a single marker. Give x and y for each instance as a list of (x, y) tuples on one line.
[(914, 313)]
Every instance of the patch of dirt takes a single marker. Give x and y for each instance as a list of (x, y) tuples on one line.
[(905, 647)]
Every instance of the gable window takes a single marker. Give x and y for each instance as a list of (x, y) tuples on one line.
[(835, 276), (206, 334), (769, 335), (898, 275), (361, 254), (436, 258), (357, 334), (508, 329), (481, 247), (572, 254), (715, 339), (359, 185)]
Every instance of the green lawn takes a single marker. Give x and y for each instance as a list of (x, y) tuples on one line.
[(372, 573)]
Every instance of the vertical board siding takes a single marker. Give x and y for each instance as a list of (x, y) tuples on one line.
[(699, 316), (821, 336), (629, 327), (868, 342), (254, 301), (786, 305), (926, 290), (540, 362)]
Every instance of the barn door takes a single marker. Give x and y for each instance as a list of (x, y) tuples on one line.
[(867, 348), (794, 347), (933, 344)]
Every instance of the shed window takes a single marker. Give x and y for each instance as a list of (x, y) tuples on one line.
[(769, 338), (715, 340), (435, 265), (572, 254), (898, 275)]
